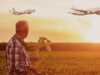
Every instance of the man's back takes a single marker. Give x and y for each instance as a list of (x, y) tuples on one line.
[(16, 55)]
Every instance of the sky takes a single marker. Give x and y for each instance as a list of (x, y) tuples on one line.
[(51, 20)]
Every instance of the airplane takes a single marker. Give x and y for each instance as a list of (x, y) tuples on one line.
[(14, 12), (97, 12), (84, 12)]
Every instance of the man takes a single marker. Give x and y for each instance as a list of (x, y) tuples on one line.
[(18, 62)]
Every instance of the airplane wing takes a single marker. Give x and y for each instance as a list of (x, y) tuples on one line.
[(80, 10), (18, 13), (29, 11), (80, 14)]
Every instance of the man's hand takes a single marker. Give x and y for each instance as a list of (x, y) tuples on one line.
[(34, 58), (35, 69)]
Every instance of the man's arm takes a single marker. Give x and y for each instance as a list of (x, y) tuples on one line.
[(17, 58)]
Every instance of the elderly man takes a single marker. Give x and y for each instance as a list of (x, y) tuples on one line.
[(18, 62)]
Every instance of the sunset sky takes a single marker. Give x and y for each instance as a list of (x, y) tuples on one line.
[(51, 20)]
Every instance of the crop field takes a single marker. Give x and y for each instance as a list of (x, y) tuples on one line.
[(62, 63)]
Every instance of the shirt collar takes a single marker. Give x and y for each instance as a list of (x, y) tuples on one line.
[(20, 40)]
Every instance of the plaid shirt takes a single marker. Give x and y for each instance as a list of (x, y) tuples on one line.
[(16, 55)]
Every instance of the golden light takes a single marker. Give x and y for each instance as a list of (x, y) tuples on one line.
[(93, 33), (51, 21)]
